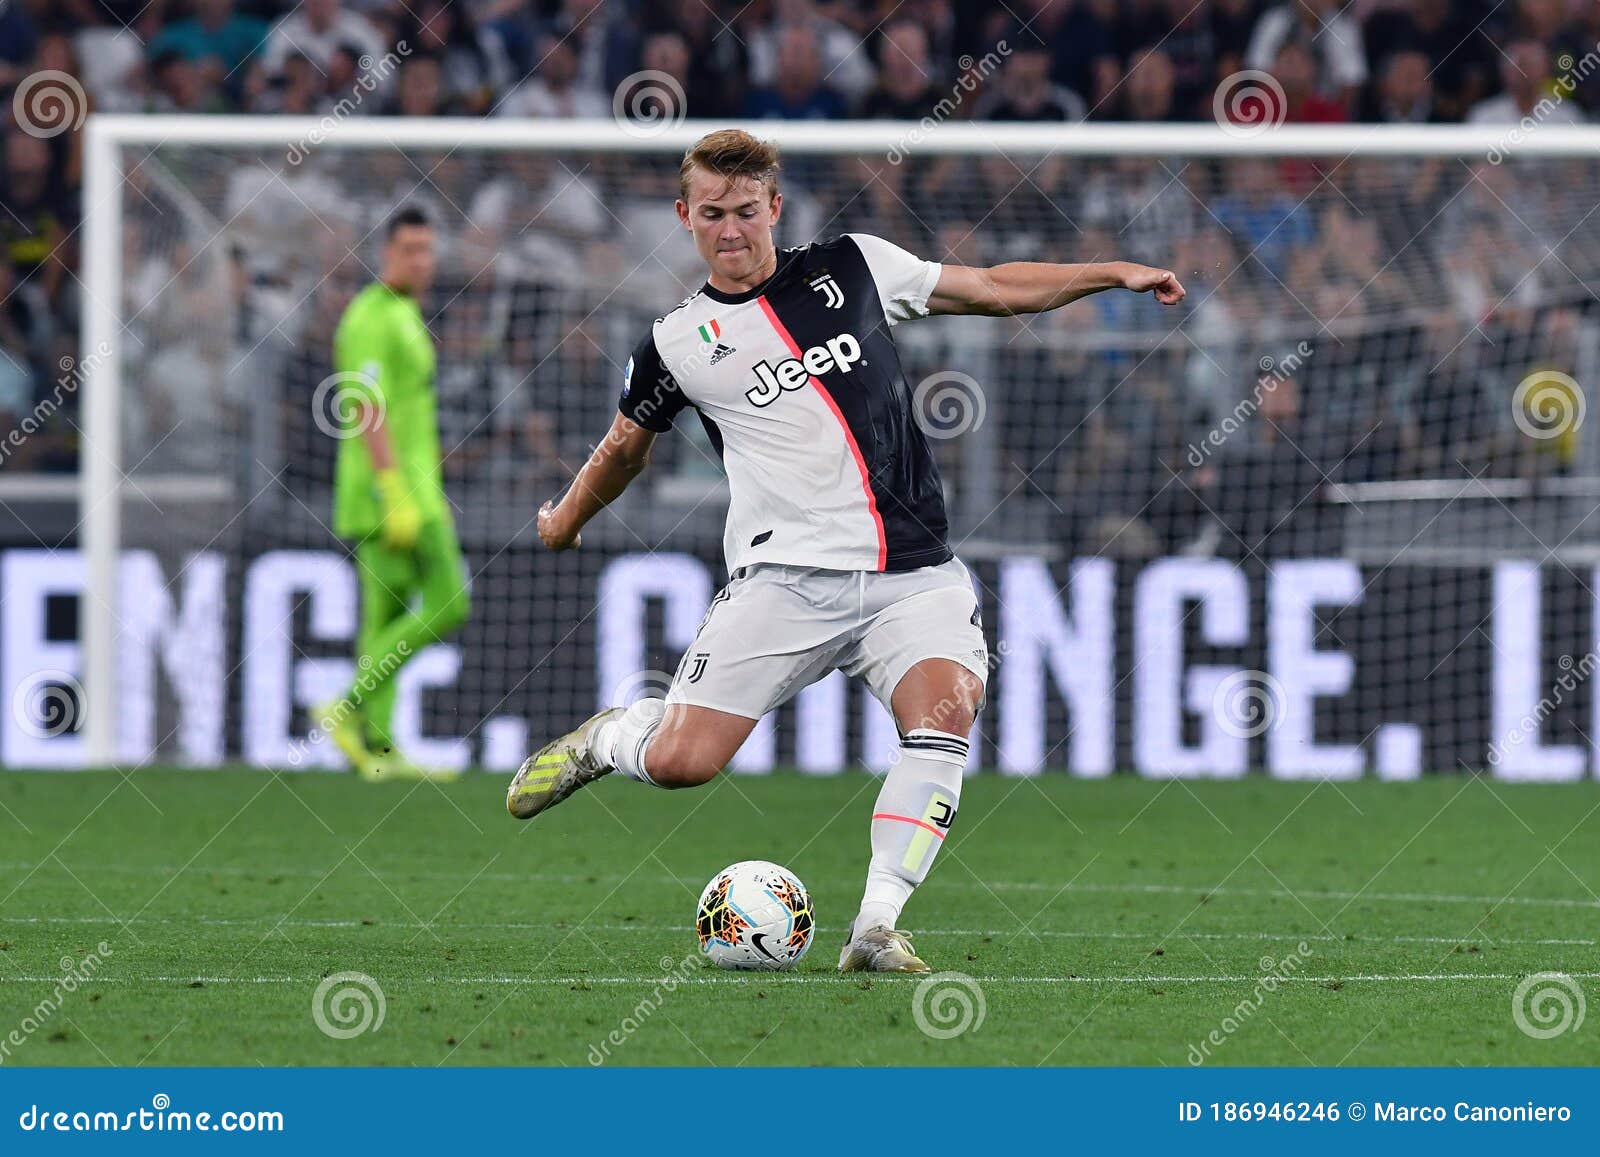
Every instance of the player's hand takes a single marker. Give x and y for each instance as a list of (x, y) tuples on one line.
[(551, 531), (1162, 282), (402, 518)]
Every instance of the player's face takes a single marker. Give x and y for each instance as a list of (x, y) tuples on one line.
[(408, 259), (732, 224)]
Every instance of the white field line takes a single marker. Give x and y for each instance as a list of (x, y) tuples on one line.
[(999, 886), (674, 929), (801, 978)]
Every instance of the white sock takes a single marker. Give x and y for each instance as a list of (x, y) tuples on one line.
[(915, 808), (620, 742)]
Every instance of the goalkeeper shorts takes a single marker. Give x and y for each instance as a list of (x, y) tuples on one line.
[(774, 630)]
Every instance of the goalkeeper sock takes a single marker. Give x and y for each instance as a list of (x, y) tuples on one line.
[(915, 808), (620, 743)]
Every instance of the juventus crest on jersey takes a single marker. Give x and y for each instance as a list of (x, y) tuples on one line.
[(800, 389)]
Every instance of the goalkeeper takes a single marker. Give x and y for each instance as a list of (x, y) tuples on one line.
[(388, 496)]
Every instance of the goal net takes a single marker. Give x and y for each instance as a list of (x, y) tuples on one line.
[(1334, 515)]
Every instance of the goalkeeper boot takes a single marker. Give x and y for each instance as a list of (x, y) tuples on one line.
[(880, 949), (558, 769), (389, 762), (343, 724)]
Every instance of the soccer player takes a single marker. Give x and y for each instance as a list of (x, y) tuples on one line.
[(836, 533), (388, 496)]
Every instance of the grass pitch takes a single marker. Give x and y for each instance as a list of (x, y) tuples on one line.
[(1102, 922)]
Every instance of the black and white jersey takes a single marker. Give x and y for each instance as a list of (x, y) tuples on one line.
[(800, 389)]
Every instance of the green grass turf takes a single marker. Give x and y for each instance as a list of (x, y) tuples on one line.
[(1109, 922)]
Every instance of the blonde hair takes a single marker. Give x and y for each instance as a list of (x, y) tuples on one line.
[(734, 154)]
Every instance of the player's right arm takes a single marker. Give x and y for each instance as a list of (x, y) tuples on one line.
[(650, 400)]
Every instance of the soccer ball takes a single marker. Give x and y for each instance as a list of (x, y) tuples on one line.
[(754, 915)]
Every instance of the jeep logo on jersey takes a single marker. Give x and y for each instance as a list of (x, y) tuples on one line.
[(837, 353)]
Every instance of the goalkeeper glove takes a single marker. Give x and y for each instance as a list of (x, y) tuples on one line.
[(402, 520)]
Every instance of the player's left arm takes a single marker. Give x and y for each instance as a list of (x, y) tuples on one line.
[(1034, 287), (621, 456)]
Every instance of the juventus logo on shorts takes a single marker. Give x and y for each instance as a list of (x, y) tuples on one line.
[(824, 284), (699, 666)]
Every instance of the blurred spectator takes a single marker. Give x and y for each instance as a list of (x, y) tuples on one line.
[(37, 219), (473, 62), (799, 91), (1295, 71), (143, 18), (420, 87), (216, 40), (1332, 39), (1541, 20), (667, 55), (1265, 221), (1450, 36), (1577, 40), (554, 90), (1079, 38), (19, 36), (1525, 76), (905, 88), (1028, 94), (718, 65), (1404, 95), (178, 85), (1149, 88), (844, 67), (315, 29)]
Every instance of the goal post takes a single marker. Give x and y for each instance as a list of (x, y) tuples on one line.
[(1047, 472)]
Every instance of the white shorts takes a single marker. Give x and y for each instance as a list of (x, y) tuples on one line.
[(774, 630)]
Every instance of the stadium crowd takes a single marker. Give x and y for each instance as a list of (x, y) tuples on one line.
[(1411, 281)]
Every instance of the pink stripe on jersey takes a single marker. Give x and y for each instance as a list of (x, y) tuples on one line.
[(849, 438)]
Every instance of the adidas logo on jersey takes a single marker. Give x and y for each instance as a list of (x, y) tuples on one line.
[(837, 353), (720, 352)]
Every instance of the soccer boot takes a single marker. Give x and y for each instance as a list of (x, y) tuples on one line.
[(557, 769), (881, 949), (393, 764), (343, 725)]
